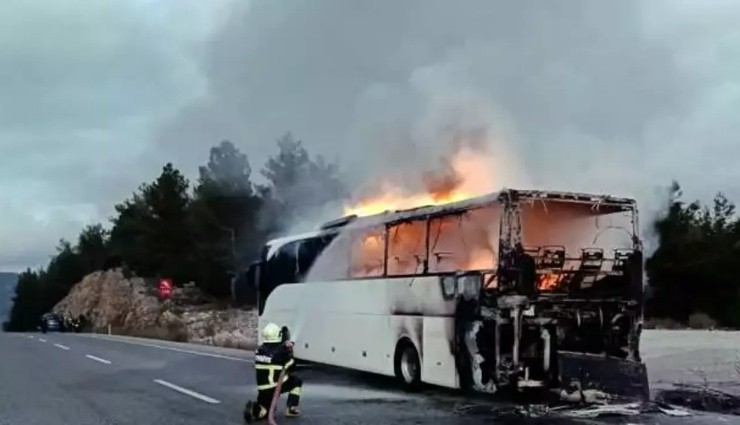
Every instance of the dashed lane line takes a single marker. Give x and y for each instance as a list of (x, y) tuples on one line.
[(42, 340), (179, 350), (97, 359), (63, 347), (187, 391)]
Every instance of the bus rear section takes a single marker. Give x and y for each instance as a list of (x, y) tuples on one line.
[(516, 290), (565, 307)]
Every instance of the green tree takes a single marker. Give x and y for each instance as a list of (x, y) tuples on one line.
[(225, 218), (128, 235), (27, 303), (696, 265), (298, 184), (169, 237), (64, 270), (151, 233), (92, 247)]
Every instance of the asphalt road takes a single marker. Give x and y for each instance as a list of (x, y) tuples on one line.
[(96, 380), (701, 358)]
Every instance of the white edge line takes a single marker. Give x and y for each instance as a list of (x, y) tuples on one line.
[(63, 347), (97, 359), (181, 350), (187, 391), (42, 340)]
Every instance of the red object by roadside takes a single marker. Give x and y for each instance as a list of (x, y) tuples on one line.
[(165, 288)]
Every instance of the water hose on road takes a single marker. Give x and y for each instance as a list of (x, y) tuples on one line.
[(276, 397), (285, 334)]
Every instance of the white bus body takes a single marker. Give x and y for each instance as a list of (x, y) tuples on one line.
[(500, 290), (354, 324)]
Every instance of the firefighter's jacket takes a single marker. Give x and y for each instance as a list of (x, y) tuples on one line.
[(269, 361)]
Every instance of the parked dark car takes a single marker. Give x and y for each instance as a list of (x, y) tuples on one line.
[(51, 323)]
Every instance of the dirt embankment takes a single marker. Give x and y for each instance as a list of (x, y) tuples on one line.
[(131, 307)]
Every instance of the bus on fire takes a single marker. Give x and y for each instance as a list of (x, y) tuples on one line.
[(515, 289)]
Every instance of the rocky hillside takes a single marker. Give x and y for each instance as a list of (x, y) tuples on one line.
[(130, 306)]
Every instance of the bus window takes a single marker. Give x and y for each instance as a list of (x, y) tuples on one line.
[(467, 241), (480, 234), (407, 248), (368, 253), (575, 226), (446, 248), (283, 266)]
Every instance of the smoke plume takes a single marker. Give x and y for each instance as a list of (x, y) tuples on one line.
[(608, 97)]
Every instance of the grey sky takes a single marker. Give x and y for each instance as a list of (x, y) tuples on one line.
[(604, 96)]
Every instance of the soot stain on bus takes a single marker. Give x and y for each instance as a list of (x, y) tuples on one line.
[(544, 288), (411, 327)]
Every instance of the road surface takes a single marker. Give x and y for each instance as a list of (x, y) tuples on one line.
[(703, 358), (98, 380)]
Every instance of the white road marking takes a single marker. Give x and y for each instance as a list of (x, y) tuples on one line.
[(179, 350), (63, 347), (97, 359), (30, 337), (187, 391), (42, 340)]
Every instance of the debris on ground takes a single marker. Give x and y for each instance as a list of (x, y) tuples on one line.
[(700, 398), (590, 412)]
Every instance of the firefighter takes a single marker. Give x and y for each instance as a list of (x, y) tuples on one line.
[(274, 356)]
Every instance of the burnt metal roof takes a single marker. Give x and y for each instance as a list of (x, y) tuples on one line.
[(489, 199), (429, 211)]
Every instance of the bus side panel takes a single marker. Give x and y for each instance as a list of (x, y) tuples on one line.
[(363, 320), (439, 367), (411, 328), (279, 309), (419, 296), (339, 323), (355, 341)]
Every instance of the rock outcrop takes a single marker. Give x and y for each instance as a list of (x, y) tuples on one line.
[(130, 306)]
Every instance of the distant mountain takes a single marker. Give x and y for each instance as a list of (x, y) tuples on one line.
[(7, 291)]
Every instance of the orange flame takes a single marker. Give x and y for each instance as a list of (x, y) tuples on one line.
[(548, 282), (469, 174)]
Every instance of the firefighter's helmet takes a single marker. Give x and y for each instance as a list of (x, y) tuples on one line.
[(271, 333)]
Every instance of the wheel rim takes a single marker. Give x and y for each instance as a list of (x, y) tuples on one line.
[(409, 367)]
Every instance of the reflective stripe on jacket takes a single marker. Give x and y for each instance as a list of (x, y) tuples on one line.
[(269, 361)]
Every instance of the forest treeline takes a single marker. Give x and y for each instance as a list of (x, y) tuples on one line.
[(205, 232), (210, 230)]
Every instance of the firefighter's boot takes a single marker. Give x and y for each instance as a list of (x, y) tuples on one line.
[(294, 397), (293, 412), (248, 418), (254, 412)]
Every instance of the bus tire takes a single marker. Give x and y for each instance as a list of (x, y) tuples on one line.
[(408, 365)]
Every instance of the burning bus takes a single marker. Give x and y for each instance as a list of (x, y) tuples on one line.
[(515, 289)]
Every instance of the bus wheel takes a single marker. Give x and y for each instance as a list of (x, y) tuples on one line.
[(408, 365)]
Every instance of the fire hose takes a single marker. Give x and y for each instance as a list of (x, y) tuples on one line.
[(275, 397)]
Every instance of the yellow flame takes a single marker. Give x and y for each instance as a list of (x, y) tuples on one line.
[(473, 176)]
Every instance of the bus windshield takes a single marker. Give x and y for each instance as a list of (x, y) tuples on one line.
[(287, 262)]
